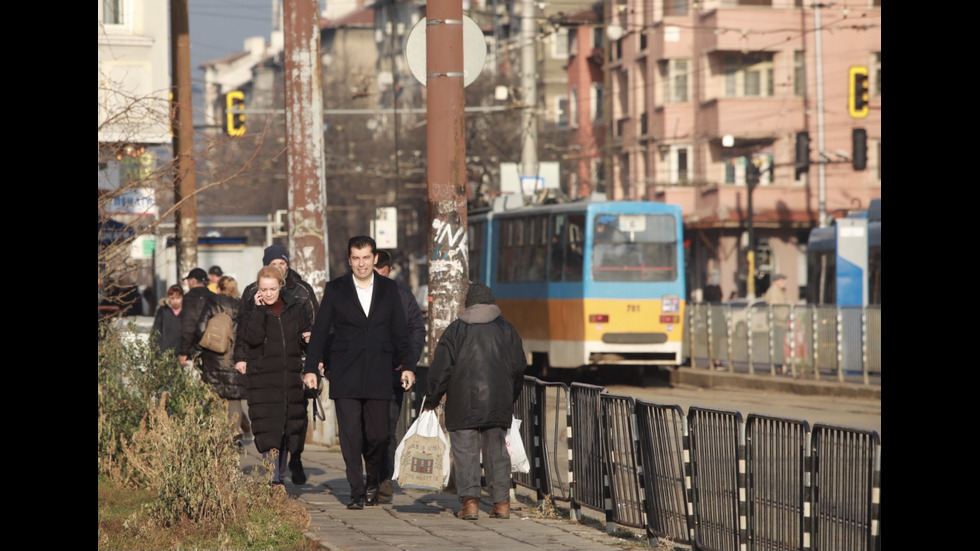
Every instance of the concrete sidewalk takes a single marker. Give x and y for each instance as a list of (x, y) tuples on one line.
[(417, 520)]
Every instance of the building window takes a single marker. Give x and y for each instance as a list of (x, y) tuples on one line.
[(624, 178), (572, 44), (597, 103), (876, 77), (114, 12), (559, 44), (675, 7), (598, 36), (675, 163), (748, 75), (561, 111), (573, 107), (673, 75), (799, 74)]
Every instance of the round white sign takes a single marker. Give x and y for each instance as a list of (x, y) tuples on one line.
[(474, 51)]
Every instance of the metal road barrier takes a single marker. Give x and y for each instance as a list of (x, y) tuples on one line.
[(803, 340), (663, 442), (846, 488), (717, 481), (707, 478), (776, 456), (622, 457), (588, 463)]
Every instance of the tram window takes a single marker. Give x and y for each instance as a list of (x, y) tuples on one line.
[(475, 238), (557, 247), (574, 247), (634, 248), (507, 260), (537, 248)]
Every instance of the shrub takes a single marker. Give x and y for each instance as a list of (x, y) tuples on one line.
[(133, 375)]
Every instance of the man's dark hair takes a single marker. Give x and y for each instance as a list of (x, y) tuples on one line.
[(361, 241), (384, 260)]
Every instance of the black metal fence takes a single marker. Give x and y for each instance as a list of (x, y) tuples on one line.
[(706, 478)]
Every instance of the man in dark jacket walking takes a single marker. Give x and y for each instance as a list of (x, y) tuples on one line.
[(195, 300), (479, 366), (416, 335), (278, 257), (370, 337)]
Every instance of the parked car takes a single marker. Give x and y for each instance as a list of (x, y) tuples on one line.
[(742, 310)]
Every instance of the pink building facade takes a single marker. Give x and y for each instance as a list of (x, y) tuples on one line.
[(701, 99)]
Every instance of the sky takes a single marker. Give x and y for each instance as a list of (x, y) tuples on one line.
[(220, 27)]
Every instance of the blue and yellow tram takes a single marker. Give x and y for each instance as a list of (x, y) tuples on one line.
[(586, 283)]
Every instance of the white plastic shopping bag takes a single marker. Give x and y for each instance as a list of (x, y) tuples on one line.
[(515, 447), (422, 459)]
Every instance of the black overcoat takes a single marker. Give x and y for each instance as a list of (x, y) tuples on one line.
[(276, 404), (363, 350)]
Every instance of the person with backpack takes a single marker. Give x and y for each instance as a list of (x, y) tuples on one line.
[(218, 366)]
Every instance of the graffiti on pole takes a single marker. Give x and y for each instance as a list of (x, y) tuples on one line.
[(448, 267)]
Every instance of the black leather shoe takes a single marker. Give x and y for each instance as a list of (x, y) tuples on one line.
[(296, 470), (372, 495), (356, 503)]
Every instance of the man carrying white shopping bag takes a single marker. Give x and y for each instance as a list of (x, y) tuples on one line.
[(479, 366)]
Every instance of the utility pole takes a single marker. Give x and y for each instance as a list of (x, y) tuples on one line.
[(182, 122), (529, 91), (446, 170), (821, 166), (307, 193)]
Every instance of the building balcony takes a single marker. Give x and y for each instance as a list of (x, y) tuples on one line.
[(750, 117)]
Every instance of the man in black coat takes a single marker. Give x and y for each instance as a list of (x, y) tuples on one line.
[(416, 334), (278, 257), (479, 367), (195, 299), (370, 337)]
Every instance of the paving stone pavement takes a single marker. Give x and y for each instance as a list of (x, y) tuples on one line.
[(418, 520)]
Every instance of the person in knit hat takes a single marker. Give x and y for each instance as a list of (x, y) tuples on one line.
[(277, 257), (479, 367)]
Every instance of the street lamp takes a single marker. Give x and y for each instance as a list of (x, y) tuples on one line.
[(752, 176)]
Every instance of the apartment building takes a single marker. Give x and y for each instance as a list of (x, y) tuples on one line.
[(706, 98)]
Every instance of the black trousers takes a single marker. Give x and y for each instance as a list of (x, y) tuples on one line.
[(363, 426), (394, 415)]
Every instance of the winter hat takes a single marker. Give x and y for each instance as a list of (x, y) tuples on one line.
[(478, 294), (275, 252)]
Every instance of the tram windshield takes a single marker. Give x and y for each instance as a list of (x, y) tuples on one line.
[(634, 247)]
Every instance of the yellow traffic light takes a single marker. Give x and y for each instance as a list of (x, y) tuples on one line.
[(235, 113), (857, 92)]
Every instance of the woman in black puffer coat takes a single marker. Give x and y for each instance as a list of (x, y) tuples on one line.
[(218, 370), (276, 333)]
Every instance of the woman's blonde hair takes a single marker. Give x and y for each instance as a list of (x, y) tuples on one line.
[(270, 273), (228, 286)]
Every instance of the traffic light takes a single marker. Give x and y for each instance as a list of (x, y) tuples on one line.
[(802, 153), (235, 113), (859, 148), (857, 93), (752, 174)]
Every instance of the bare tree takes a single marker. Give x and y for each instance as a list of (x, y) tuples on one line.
[(136, 184)]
